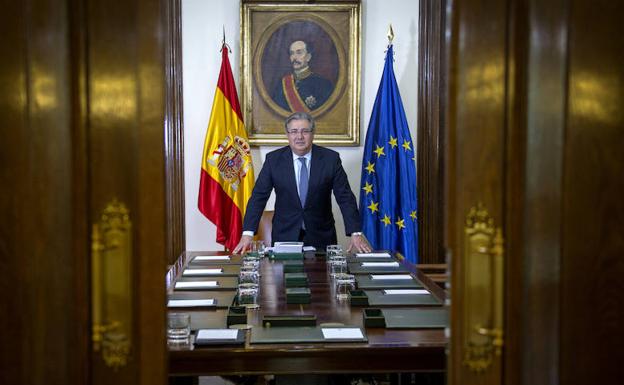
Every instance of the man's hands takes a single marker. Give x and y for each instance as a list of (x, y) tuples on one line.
[(243, 245), (359, 243)]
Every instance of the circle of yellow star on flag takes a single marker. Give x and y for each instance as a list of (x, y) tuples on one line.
[(374, 206), (379, 151), (370, 168)]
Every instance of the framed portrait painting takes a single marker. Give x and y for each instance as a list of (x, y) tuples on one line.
[(301, 57)]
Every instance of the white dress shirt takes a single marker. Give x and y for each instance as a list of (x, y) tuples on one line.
[(297, 167)]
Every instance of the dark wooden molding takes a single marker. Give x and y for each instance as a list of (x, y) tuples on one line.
[(431, 96), (174, 133)]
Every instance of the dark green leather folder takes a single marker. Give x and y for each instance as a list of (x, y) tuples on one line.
[(289, 320), (293, 335), (415, 318), (285, 256), (293, 266), (365, 282), (357, 268), (295, 279), (298, 295)]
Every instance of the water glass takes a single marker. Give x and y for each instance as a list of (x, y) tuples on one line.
[(344, 283), (333, 250), (178, 328), (251, 262), (261, 248), (248, 274), (253, 248), (248, 295), (337, 264)]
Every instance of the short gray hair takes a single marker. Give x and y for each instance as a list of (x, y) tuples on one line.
[(300, 116)]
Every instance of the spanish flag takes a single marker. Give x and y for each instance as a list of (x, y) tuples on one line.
[(227, 177)]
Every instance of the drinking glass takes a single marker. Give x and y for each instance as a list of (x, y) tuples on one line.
[(343, 283), (251, 262), (178, 328), (261, 248), (248, 295), (337, 264), (248, 274), (333, 250)]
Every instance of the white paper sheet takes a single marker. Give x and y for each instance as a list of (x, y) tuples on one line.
[(342, 333), (404, 291), (212, 258), (196, 284), (372, 255), (309, 248), (380, 264), (387, 277), (217, 334), (202, 271), (190, 302)]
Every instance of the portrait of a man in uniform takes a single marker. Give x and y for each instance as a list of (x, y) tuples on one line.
[(301, 90), (301, 59), (299, 68)]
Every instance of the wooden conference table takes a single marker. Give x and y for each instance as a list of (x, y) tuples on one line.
[(386, 350)]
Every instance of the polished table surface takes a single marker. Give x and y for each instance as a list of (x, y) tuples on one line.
[(387, 350)]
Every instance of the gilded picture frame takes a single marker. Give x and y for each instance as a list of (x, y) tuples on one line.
[(323, 80)]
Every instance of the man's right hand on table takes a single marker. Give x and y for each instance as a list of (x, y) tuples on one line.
[(243, 245)]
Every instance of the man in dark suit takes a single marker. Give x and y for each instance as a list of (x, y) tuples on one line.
[(303, 176)]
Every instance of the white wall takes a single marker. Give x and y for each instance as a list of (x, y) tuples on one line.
[(202, 31)]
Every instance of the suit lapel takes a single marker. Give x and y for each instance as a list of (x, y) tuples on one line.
[(315, 171), (289, 173)]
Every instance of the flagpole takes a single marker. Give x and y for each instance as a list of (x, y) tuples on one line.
[(224, 44)]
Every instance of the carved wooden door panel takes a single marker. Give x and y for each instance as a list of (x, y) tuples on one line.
[(124, 96), (475, 185), (533, 181), (83, 255)]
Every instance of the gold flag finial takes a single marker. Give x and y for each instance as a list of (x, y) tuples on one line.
[(390, 34)]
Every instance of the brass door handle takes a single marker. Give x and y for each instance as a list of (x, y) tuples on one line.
[(483, 290), (111, 272)]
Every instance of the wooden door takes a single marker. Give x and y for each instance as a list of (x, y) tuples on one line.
[(83, 197), (475, 184), (43, 226), (534, 171), (124, 75)]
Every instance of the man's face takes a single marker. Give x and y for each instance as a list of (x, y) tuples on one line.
[(299, 140), (299, 56)]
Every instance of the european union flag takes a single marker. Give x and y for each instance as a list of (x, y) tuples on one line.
[(388, 202)]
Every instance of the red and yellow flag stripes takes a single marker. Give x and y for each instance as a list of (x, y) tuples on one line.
[(227, 177)]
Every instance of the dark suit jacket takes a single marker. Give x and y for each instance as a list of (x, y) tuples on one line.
[(326, 175)]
